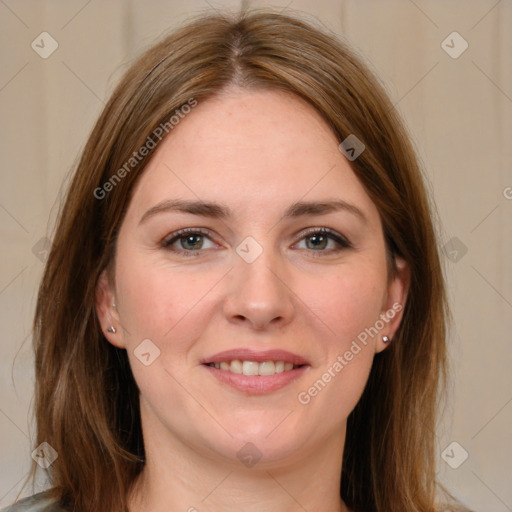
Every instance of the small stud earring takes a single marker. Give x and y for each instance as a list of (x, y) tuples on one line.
[(111, 329), (385, 339)]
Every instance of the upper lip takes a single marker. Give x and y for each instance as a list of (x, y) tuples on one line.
[(245, 354)]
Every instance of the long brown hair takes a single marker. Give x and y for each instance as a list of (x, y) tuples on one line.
[(86, 399)]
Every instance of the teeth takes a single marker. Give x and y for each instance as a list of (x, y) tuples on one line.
[(254, 368)]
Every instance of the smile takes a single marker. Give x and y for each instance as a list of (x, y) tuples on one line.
[(253, 367)]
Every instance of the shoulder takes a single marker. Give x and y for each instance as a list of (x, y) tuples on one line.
[(41, 502)]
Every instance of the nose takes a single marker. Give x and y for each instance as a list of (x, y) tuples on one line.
[(259, 293)]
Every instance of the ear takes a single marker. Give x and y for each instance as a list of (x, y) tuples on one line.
[(106, 311), (394, 303)]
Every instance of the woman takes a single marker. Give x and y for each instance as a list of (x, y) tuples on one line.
[(243, 306)]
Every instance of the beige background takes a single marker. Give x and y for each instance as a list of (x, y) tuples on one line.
[(458, 110)]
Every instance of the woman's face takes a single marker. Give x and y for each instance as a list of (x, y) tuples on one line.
[(252, 274)]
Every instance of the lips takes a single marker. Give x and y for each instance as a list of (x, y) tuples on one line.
[(259, 383), (244, 354)]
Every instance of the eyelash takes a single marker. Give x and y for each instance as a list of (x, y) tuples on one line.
[(336, 237)]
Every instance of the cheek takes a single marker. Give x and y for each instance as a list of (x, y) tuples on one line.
[(349, 305), (337, 385), (168, 308), (350, 301), (155, 298)]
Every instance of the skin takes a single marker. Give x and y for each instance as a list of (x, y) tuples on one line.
[(256, 152)]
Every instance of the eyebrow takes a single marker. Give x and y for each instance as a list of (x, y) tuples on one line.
[(220, 211)]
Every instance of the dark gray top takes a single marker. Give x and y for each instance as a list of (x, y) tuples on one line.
[(37, 503)]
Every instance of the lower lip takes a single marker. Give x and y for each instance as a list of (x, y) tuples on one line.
[(257, 384)]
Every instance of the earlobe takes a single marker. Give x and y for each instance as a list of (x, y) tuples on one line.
[(106, 311)]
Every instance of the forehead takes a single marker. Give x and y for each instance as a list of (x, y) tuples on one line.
[(253, 150)]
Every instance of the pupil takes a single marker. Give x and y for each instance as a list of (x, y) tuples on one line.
[(190, 240), (319, 238)]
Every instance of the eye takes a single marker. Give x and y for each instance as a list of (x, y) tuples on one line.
[(190, 241), (319, 239)]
